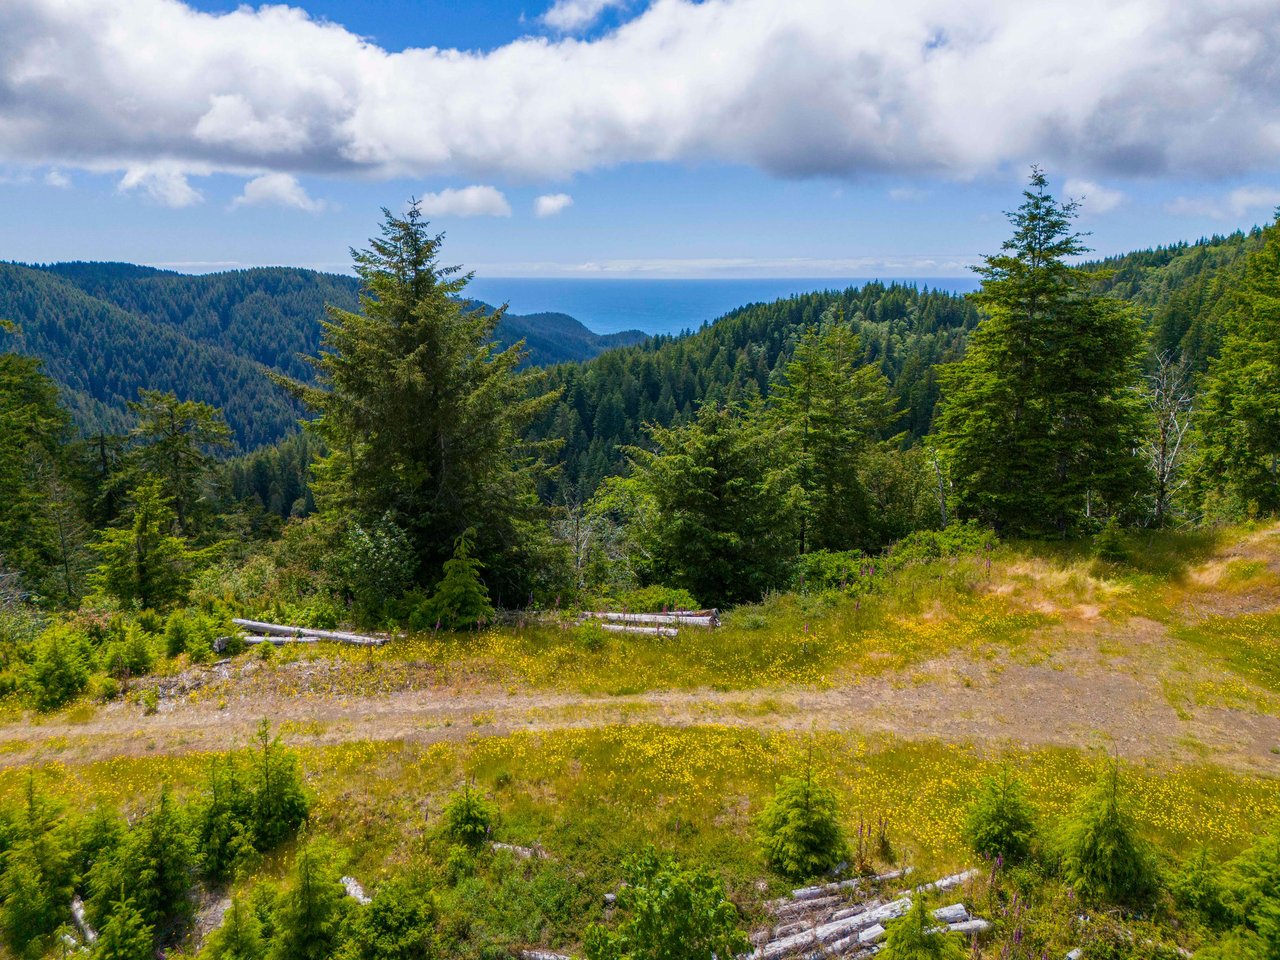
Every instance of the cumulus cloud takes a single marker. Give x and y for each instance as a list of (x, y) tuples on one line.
[(573, 16), (1239, 203), (278, 190), (164, 183), (475, 201), (845, 88), (550, 204), (1093, 197)]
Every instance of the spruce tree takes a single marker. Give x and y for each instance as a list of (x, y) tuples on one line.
[(828, 410), (125, 935), (1041, 421), (916, 937), (239, 937), (423, 416), (309, 916), (1103, 857), (461, 599), (1238, 427), (145, 562)]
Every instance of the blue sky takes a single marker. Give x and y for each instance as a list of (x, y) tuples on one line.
[(606, 138)]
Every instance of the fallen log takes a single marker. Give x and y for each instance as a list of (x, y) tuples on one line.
[(82, 922), (708, 618), (971, 928), (289, 630), (956, 913), (542, 955), (252, 640), (650, 631), (524, 853), (355, 891), (834, 930)]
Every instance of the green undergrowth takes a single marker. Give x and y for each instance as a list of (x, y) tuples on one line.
[(1248, 645)]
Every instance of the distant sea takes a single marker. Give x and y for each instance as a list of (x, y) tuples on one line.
[(662, 306)]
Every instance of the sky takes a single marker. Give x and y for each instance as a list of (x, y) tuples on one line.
[(628, 138)]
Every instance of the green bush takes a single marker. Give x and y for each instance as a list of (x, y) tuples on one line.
[(468, 817), (1109, 543), (125, 935), (376, 562), (1103, 857), (399, 924), (1198, 887), (461, 600), (150, 701), (280, 800), (238, 938), (130, 653), (654, 598), (670, 913), (954, 540), (177, 633), (309, 915), (60, 671), (917, 936), (799, 830), (1000, 822), (844, 571)]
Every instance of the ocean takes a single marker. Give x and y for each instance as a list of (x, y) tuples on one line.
[(661, 306)]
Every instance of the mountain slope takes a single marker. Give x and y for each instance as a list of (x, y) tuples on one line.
[(106, 329)]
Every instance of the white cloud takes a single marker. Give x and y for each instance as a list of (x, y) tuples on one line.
[(572, 16), (845, 88), (906, 194), (164, 183), (1236, 205), (1094, 197), (475, 201), (550, 204), (56, 178), (279, 190)]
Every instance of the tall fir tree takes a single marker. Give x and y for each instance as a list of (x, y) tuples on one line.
[(145, 562), (1041, 421), (423, 416), (1238, 427), (828, 410)]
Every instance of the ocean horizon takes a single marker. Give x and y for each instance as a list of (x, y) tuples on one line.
[(664, 306)]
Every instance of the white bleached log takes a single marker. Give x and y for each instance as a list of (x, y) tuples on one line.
[(832, 931), (542, 955), (253, 641), (680, 618), (354, 890), (970, 928), (650, 631), (289, 630), (872, 934), (955, 913), (946, 883), (524, 853), (82, 922)]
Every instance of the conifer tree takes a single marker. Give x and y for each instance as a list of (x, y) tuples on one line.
[(145, 562), (175, 442), (125, 935), (239, 937), (1238, 430), (916, 937), (423, 416), (1041, 420), (308, 918), (461, 598), (1103, 857), (828, 410)]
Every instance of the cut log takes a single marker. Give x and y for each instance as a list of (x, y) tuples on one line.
[(542, 955), (650, 631), (872, 934), (956, 913), (354, 890), (524, 853), (253, 641), (946, 883), (708, 618), (289, 630), (970, 928), (834, 930), (82, 923)]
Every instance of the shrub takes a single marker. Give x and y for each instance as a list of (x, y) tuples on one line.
[(461, 599), (125, 936), (653, 598), (35, 888), (1109, 544), (280, 800), (60, 671), (847, 571), (1000, 820), (1198, 887), (238, 938), (800, 829), (398, 925), (131, 654), (1103, 857), (376, 562), (955, 540), (917, 937), (671, 913), (308, 917), (468, 817), (150, 701), (177, 633)]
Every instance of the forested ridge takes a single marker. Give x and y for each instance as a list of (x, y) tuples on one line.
[(106, 330)]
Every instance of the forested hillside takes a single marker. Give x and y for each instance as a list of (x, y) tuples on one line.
[(106, 330), (606, 403)]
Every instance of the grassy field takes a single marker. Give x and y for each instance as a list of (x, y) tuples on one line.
[(593, 745)]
